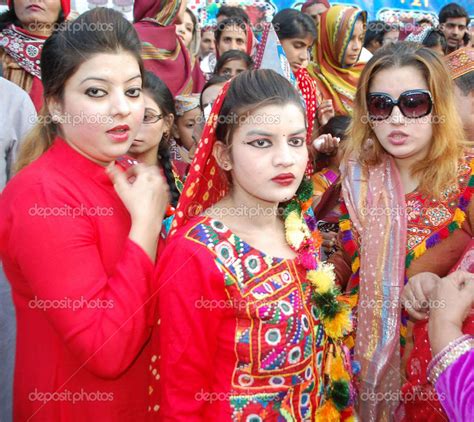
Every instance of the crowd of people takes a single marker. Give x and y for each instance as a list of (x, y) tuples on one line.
[(236, 222)]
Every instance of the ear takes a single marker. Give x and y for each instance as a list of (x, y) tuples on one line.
[(55, 109), (221, 153), (174, 130), (169, 120)]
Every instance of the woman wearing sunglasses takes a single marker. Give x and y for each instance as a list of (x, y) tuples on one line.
[(407, 210)]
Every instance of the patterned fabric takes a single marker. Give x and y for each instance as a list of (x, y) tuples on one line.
[(339, 82), (278, 338), (25, 49), (184, 103), (460, 62), (367, 193), (426, 215), (420, 34)]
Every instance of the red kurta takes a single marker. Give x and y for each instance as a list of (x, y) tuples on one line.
[(238, 337), (81, 290)]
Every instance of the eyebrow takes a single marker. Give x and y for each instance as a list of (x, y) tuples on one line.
[(263, 133), (106, 80)]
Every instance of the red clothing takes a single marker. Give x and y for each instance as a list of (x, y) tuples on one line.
[(237, 335), (81, 290)]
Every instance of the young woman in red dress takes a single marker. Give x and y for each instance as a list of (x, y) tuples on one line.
[(78, 238)]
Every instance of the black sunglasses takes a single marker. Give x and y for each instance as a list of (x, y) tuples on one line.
[(413, 104)]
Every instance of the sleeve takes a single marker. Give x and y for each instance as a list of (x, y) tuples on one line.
[(188, 329), (100, 313), (21, 117), (455, 388)]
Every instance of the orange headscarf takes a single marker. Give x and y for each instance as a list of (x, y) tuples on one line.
[(337, 82)]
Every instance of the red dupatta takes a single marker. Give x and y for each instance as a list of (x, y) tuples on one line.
[(206, 183), (163, 52)]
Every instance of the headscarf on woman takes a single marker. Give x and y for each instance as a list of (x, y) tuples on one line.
[(163, 52), (336, 81)]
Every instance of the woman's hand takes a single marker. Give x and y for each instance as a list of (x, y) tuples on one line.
[(453, 299), (326, 144), (325, 112), (417, 292)]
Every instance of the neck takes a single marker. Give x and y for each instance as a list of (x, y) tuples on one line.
[(39, 29), (409, 182), (253, 213), (150, 157)]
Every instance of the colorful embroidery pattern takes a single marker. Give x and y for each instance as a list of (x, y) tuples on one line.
[(278, 340)]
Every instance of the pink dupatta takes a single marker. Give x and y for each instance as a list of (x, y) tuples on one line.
[(376, 205)]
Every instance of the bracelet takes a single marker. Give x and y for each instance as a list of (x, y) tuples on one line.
[(448, 348), (448, 358)]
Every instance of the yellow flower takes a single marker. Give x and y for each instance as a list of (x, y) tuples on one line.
[(296, 229), (323, 278), (337, 371), (340, 325), (327, 413)]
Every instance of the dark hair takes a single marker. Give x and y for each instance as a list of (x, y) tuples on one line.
[(162, 96), (435, 38), (375, 32), (9, 17), (249, 91), (337, 126), (453, 10), (231, 55), (465, 83), (233, 12), (291, 23), (220, 27), (96, 31), (215, 80)]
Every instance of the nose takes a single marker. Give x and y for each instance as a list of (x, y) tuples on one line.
[(234, 45), (356, 46), (120, 104), (303, 55), (397, 116), (283, 155)]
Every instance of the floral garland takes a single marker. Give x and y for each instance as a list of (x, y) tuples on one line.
[(335, 310)]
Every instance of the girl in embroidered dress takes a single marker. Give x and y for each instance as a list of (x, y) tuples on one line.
[(244, 330), (407, 210)]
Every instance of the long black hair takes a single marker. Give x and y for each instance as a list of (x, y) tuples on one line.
[(291, 23), (162, 96)]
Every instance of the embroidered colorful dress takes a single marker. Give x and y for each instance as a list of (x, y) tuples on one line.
[(238, 337), (437, 234)]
